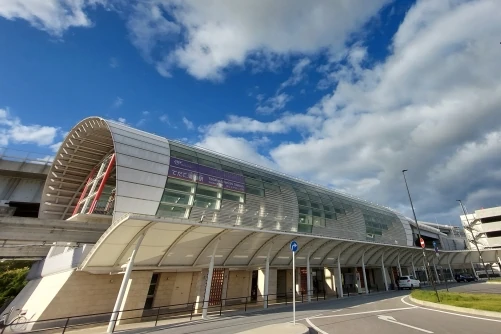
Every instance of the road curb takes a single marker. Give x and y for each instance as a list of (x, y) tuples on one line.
[(456, 308)]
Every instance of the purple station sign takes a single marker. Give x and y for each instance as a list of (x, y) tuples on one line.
[(190, 171)]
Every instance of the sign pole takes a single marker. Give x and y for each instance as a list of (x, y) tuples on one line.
[(294, 248), (294, 286)]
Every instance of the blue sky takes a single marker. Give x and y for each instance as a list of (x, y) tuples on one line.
[(343, 93)]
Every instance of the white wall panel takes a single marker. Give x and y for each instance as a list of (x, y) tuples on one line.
[(140, 191), (141, 164), (137, 176), (141, 153), (114, 126), (135, 205), (140, 144)]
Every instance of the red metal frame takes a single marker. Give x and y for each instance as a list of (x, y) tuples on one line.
[(82, 196), (106, 175)]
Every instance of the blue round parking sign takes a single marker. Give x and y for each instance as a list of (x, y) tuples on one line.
[(293, 246)]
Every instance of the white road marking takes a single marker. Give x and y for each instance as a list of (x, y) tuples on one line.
[(317, 315), (452, 313), (366, 312), (394, 321), (337, 310), (315, 327), (370, 303)]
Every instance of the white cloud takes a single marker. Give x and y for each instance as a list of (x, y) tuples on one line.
[(188, 123), (122, 120), (164, 119), (13, 131), (55, 147), (118, 102), (433, 107), (298, 73), (273, 104), (53, 16), (224, 33)]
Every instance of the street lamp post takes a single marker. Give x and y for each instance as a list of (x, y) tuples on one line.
[(469, 228), (419, 234)]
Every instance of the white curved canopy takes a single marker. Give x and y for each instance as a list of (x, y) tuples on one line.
[(180, 244)]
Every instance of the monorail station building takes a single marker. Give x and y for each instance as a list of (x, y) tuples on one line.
[(184, 225)]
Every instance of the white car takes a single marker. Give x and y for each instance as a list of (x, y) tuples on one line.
[(408, 282)]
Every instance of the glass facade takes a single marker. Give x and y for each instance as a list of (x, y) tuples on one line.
[(203, 181)]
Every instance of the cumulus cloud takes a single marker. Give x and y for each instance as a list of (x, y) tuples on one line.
[(272, 104), (189, 124), (53, 16), (219, 34), (13, 131), (432, 106)]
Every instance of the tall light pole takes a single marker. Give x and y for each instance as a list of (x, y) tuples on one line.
[(469, 228), (419, 234)]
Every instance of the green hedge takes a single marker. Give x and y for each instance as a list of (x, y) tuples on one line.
[(12, 278)]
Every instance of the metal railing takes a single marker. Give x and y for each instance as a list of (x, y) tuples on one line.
[(25, 156), (158, 313)]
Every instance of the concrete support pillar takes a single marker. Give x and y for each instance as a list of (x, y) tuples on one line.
[(308, 278), (266, 281), (426, 271), (383, 271), (413, 269), (123, 286), (330, 281), (399, 268), (339, 285), (365, 276), (451, 271), (473, 268), (209, 282)]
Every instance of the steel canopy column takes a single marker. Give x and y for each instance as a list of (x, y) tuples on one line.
[(267, 279), (123, 286), (450, 269), (473, 268), (413, 268), (398, 263), (205, 307), (340, 282), (383, 270), (308, 278), (365, 276)]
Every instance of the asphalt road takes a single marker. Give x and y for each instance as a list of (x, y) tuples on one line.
[(388, 313)]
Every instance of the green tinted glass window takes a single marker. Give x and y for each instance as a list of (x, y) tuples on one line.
[(304, 228), (165, 210), (330, 215), (254, 191), (206, 202), (207, 192), (304, 211), (303, 202), (233, 196), (177, 198), (317, 213), (179, 185), (183, 156), (316, 205)]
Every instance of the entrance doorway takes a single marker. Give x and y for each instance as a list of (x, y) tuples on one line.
[(216, 287), (254, 286), (281, 283)]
